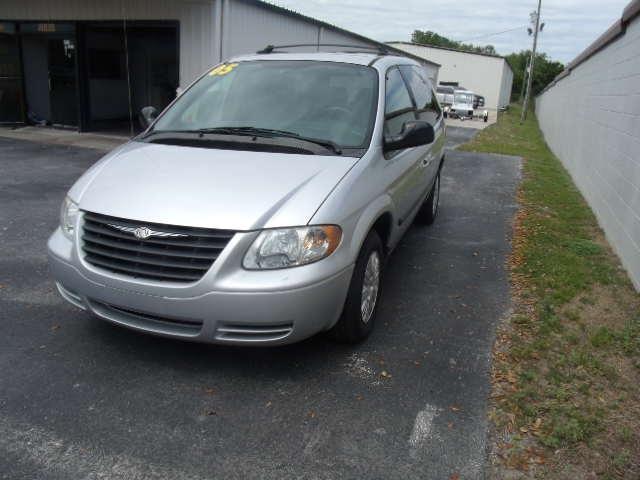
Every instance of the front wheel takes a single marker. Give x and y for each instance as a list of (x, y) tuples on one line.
[(361, 306), (429, 210)]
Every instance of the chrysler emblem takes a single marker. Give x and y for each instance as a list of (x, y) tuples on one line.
[(142, 233)]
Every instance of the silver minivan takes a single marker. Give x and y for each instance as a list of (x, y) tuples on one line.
[(260, 206)]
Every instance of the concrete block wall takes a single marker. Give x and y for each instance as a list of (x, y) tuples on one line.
[(590, 118)]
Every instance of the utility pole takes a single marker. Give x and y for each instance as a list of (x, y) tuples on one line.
[(531, 63), (524, 79)]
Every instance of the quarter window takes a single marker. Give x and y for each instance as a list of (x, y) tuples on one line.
[(399, 107)]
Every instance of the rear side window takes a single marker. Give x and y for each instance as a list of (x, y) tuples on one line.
[(428, 108), (398, 107)]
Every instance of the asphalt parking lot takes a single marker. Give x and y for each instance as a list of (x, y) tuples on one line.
[(80, 398), (456, 136)]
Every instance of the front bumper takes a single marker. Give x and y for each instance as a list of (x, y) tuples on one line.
[(272, 315)]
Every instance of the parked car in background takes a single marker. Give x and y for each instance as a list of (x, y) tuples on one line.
[(464, 106), (259, 208)]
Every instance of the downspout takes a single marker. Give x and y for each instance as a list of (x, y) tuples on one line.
[(219, 9), (126, 56)]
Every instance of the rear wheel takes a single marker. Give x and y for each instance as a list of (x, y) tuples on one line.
[(429, 210), (361, 306)]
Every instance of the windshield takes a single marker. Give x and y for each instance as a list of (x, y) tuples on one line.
[(328, 101), (463, 98)]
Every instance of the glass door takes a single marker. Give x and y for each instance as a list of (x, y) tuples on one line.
[(62, 81)]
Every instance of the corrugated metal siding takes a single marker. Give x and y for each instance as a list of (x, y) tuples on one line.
[(248, 28), (591, 120)]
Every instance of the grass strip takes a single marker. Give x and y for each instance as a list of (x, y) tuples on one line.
[(565, 397)]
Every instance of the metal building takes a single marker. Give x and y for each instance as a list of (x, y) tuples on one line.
[(487, 75), (93, 64)]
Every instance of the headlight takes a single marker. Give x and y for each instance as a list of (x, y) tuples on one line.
[(292, 247), (68, 216)]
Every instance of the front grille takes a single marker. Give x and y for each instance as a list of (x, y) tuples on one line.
[(171, 253)]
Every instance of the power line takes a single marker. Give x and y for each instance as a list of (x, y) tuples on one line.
[(492, 34)]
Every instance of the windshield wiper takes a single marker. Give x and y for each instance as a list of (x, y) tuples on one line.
[(271, 133), (255, 132)]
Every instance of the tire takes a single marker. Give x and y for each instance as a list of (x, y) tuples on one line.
[(355, 324), (429, 210)]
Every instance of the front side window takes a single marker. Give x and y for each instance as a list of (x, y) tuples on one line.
[(399, 107), (426, 102), (328, 101)]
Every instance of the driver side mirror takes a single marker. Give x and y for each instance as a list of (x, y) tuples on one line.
[(413, 134), (147, 116)]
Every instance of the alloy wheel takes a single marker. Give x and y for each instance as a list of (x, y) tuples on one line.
[(370, 286)]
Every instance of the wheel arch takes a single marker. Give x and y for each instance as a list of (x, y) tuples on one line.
[(383, 226), (377, 216)]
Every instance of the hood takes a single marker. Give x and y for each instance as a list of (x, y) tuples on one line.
[(202, 187)]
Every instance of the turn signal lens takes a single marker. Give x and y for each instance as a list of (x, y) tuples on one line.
[(68, 216)]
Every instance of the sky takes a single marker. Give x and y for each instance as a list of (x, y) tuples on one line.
[(570, 25)]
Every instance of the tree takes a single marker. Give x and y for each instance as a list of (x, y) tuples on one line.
[(545, 70), (432, 38)]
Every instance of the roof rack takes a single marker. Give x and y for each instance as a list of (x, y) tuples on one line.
[(381, 49)]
